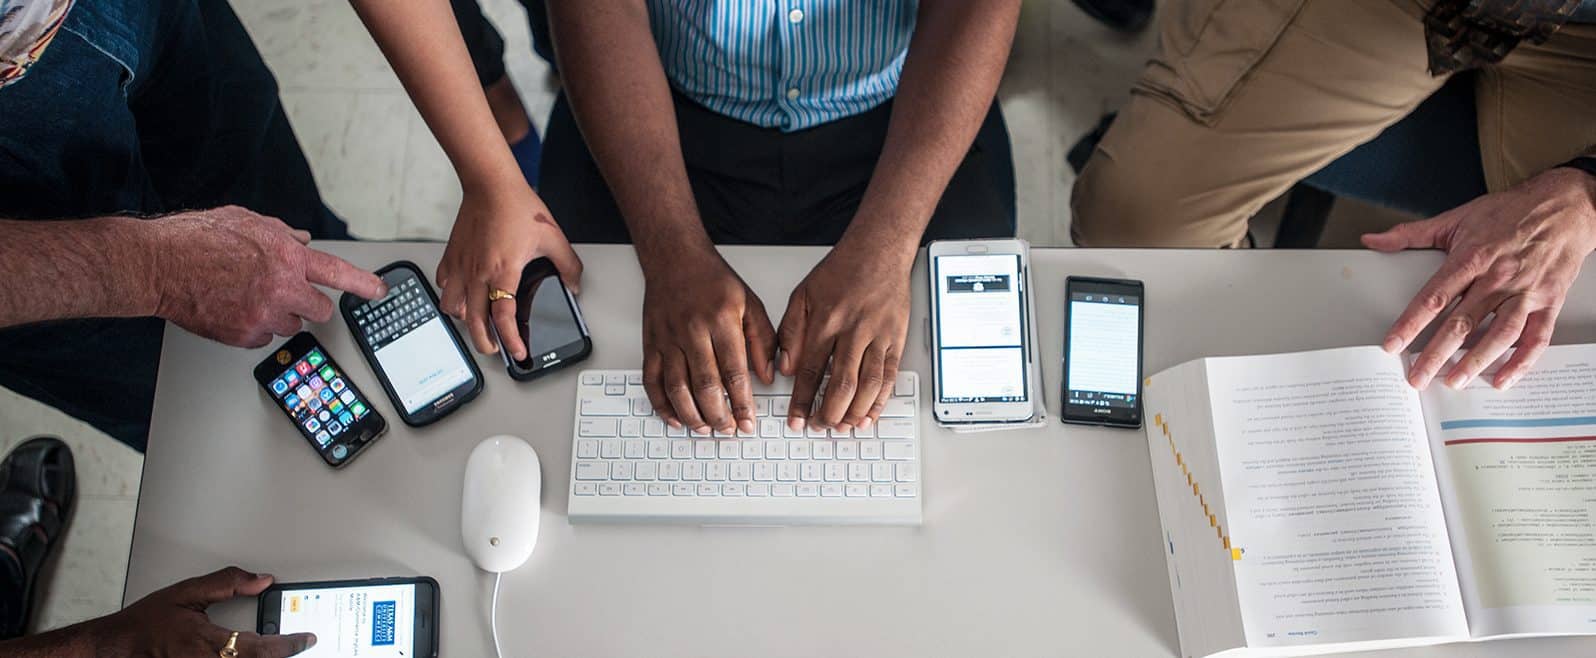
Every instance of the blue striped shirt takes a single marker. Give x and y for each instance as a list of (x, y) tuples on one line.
[(787, 64)]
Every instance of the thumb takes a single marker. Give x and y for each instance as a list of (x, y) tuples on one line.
[(790, 335), (232, 582), (1421, 234)]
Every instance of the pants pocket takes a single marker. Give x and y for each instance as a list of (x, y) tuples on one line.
[(1206, 48)]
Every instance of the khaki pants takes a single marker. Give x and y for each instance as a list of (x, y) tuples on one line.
[(1247, 97)]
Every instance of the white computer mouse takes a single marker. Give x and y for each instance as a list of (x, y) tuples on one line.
[(500, 507)]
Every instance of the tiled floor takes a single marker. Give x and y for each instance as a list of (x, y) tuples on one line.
[(379, 167)]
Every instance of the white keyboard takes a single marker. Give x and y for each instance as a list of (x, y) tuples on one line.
[(629, 466)]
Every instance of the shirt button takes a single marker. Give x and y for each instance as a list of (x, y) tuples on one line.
[(792, 94), (795, 16)]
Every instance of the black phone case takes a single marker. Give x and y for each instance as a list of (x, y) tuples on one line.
[(263, 374), (523, 294), (437, 599), (1141, 342), (346, 305)]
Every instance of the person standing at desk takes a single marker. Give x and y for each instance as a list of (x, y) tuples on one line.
[(868, 126), (1246, 98)]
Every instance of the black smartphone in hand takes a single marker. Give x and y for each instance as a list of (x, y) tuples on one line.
[(413, 347), (549, 322), (374, 617), (1103, 351), (320, 400)]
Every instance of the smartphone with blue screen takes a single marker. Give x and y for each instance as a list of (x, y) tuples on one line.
[(1103, 351), (375, 618)]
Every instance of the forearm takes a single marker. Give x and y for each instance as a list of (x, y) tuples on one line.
[(52, 270), (950, 76), (622, 101), (422, 41)]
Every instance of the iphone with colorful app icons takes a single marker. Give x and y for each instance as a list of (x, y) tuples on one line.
[(302, 379)]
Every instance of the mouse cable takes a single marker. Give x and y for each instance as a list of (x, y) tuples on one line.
[(493, 615)]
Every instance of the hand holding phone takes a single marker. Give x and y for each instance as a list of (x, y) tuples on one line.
[(548, 322), (1103, 352), (320, 400), (376, 618), (412, 347)]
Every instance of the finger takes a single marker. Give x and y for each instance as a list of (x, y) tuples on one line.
[(872, 381), (476, 319), (334, 272), (287, 324), (1457, 326), (654, 386), (731, 353), (301, 235), (790, 336), (251, 645), (1433, 299), (1532, 342), (503, 316), (761, 340), (680, 392), (311, 304), (709, 393), (809, 367), (254, 340), (217, 586), (889, 382), (1504, 330), (1422, 234), (451, 298), (844, 384), (566, 261)]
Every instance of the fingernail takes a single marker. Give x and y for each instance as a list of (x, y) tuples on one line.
[(310, 641), (1392, 344), (746, 425), (865, 424), (702, 429), (1418, 381), (1509, 382), (844, 427), (1457, 380), (795, 423)]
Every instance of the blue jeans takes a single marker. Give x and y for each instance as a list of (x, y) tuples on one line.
[(139, 107)]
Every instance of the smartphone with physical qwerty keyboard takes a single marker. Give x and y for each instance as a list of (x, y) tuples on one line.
[(412, 347)]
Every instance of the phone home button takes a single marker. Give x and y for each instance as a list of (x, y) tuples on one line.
[(269, 628), (339, 452)]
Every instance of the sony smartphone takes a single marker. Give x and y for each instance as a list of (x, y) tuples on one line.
[(320, 400), (980, 338), (1103, 351), (413, 347), (550, 323), (377, 618)]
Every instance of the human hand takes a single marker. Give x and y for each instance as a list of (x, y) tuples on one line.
[(238, 277), (172, 622), (1512, 255), (702, 328), (853, 312), (495, 235)]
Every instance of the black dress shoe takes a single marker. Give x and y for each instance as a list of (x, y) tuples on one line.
[(38, 486), (1122, 15)]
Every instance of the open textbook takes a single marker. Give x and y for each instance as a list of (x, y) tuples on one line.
[(1315, 503)]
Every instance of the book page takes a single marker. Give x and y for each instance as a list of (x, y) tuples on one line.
[(1332, 500), (1518, 477)]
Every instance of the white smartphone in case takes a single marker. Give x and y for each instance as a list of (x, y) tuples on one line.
[(981, 353)]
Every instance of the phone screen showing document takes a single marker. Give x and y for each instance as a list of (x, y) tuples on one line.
[(981, 355), (375, 621), (1103, 362)]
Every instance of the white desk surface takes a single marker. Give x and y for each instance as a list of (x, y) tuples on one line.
[(1035, 543)]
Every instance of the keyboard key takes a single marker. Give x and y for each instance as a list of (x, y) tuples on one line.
[(708, 489), (815, 432), (778, 406), (635, 489), (605, 407), (730, 449), (742, 471), (904, 490), (898, 450), (659, 449), (782, 490), (614, 389), (592, 471), (681, 450), (634, 379), (659, 489), (789, 432), (809, 471), (613, 378), (703, 449), (870, 450), (898, 408), (856, 490), (610, 448), (822, 449), (753, 449), (848, 450), (798, 450), (880, 491), (633, 449), (908, 472), (700, 435), (585, 489), (586, 449), (758, 490), (905, 385), (787, 472), (653, 427), (764, 471), (808, 490), (646, 470), (596, 427), (830, 490), (716, 471), (770, 428), (895, 428), (732, 489), (621, 471), (670, 471), (761, 406), (675, 432), (864, 432), (592, 379), (775, 450), (631, 427), (683, 489), (881, 472), (609, 488), (858, 472), (836, 472), (692, 471)]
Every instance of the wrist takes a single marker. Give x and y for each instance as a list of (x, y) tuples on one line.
[(140, 265)]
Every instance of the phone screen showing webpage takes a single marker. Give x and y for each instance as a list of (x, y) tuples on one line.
[(374, 621), (1104, 351), (981, 355), (412, 344)]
